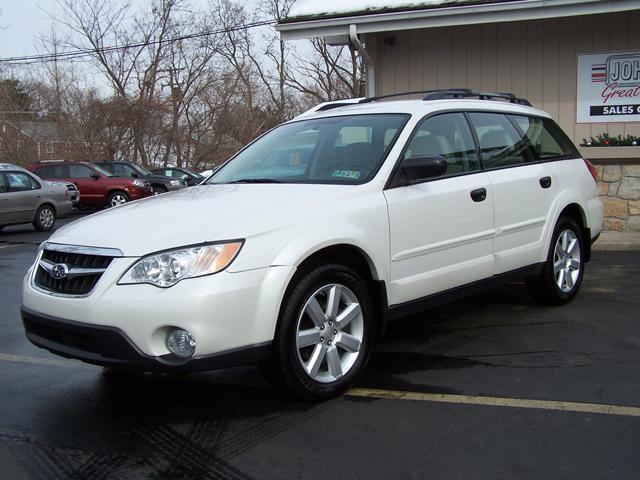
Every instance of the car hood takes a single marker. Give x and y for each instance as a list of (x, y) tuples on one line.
[(204, 213)]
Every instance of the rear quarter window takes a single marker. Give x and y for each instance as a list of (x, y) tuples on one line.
[(52, 171), (546, 137)]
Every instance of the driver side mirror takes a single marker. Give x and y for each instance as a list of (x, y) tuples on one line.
[(94, 175), (134, 175), (417, 169)]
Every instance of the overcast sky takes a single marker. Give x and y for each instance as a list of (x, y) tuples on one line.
[(21, 21)]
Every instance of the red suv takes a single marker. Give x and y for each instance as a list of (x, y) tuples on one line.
[(97, 186)]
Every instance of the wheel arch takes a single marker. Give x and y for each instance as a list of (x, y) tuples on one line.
[(577, 213), (45, 204), (113, 190), (359, 261)]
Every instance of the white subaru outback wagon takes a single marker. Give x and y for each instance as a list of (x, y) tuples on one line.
[(298, 250)]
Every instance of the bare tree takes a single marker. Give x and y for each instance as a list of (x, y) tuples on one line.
[(333, 73), (132, 71)]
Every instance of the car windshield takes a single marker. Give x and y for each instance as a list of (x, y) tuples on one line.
[(336, 150), (142, 170)]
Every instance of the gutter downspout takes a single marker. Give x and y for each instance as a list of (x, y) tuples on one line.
[(368, 59)]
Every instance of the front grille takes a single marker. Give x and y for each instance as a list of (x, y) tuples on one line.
[(84, 272)]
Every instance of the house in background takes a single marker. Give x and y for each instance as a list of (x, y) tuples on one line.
[(23, 142), (577, 59)]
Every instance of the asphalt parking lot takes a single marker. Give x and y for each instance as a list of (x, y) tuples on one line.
[(491, 387)]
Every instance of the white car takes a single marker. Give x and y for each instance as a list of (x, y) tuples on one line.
[(296, 253)]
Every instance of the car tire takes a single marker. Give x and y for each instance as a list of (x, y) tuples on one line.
[(45, 218), (159, 190), (561, 277), (117, 198), (325, 334)]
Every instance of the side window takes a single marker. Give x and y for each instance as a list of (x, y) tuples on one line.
[(19, 182), (446, 135), (500, 143), (79, 171), (3, 184), (51, 171), (546, 138), (43, 172)]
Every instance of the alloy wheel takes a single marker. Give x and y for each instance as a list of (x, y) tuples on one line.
[(118, 200), (329, 333), (567, 260)]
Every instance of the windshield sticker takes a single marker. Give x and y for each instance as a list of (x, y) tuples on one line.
[(346, 174)]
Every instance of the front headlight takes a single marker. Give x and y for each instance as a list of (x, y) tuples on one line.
[(138, 183), (175, 182), (165, 269)]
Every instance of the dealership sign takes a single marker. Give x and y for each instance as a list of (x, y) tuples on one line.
[(608, 88)]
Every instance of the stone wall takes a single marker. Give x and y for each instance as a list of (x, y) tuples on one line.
[(619, 189)]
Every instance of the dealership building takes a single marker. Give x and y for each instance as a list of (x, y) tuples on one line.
[(579, 60)]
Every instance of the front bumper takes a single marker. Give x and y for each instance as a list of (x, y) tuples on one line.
[(138, 192), (226, 312), (173, 188), (110, 346)]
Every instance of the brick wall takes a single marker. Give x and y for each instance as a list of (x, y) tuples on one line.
[(619, 189)]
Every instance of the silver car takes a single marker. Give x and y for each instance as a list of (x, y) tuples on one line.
[(26, 198)]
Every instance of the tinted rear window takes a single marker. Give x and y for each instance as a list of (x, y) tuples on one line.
[(52, 171)]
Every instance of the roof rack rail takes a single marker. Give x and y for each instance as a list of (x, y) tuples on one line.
[(467, 93), (453, 93), (322, 107), (402, 94)]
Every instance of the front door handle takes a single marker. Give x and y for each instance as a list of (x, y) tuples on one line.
[(479, 194), (545, 182)]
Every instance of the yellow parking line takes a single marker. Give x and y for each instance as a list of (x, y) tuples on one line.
[(498, 401), (415, 396)]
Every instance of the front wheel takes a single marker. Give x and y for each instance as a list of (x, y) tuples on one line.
[(117, 198), (561, 277), (45, 218), (325, 333)]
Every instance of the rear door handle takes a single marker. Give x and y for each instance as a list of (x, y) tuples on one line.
[(545, 182), (479, 194)]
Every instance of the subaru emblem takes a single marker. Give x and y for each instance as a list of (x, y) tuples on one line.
[(59, 271)]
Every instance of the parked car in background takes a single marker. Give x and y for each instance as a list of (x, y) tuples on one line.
[(159, 183), (179, 173), (72, 191), (25, 198), (317, 234), (98, 187)]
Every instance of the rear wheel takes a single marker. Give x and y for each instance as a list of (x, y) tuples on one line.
[(45, 218), (561, 278), (117, 198), (159, 190), (324, 335)]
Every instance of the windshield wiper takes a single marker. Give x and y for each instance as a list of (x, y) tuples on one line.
[(256, 180)]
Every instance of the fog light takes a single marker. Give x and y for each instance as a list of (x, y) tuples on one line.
[(181, 343)]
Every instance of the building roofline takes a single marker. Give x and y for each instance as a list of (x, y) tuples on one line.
[(411, 18)]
